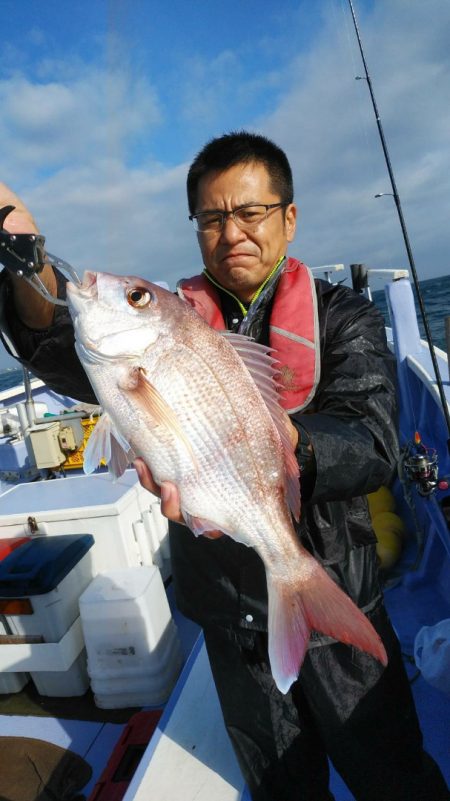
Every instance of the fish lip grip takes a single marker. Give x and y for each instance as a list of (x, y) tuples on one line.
[(24, 255)]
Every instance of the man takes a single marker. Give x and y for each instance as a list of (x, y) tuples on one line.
[(344, 705)]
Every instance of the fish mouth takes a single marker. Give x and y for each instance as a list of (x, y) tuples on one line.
[(88, 286), (89, 280), (77, 294)]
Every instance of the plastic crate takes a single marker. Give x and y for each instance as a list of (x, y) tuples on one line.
[(75, 460), (127, 754), (134, 652)]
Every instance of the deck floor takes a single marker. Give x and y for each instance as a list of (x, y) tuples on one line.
[(76, 724)]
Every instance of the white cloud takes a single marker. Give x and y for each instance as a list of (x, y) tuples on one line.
[(46, 126), (326, 123), (80, 142), (120, 221)]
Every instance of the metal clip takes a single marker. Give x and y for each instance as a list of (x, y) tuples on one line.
[(25, 256)]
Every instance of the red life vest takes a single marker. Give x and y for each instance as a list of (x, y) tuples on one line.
[(293, 328)]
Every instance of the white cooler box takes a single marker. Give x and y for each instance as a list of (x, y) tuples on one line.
[(121, 516), (134, 654), (40, 584)]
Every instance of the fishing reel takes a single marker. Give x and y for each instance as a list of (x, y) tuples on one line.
[(24, 255), (420, 464)]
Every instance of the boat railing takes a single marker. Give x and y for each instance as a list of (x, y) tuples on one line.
[(7, 394), (327, 271)]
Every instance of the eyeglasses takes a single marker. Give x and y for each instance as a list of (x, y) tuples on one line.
[(248, 216)]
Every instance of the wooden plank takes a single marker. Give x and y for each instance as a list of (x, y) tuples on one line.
[(20, 639)]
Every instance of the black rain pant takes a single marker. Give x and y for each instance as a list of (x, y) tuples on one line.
[(345, 705)]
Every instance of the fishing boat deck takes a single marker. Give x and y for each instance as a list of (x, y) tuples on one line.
[(189, 752), (76, 723)]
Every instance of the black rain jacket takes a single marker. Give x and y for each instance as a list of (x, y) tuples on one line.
[(350, 423)]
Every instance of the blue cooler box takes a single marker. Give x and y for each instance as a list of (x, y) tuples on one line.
[(51, 572)]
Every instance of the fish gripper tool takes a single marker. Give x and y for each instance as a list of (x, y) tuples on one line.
[(24, 255)]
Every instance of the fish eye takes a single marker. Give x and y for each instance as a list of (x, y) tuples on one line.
[(138, 297)]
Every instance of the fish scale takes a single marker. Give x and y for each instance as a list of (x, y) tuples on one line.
[(210, 424)]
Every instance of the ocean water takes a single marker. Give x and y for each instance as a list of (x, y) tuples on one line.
[(10, 377), (436, 298)]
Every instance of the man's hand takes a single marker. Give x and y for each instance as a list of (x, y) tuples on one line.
[(170, 498), (32, 308), (19, 221)]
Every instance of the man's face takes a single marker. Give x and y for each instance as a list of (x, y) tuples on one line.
[(241, 259)]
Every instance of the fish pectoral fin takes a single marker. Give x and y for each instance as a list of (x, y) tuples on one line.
[(106, 443), (120, 458), (154, 405)]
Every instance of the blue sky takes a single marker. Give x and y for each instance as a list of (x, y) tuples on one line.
[(104, 104)]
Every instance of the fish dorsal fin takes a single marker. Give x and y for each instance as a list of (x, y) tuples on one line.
[(154, 405), (106, 443), (264, 370)]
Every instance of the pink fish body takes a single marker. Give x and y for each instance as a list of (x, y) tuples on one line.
[(202, 410)]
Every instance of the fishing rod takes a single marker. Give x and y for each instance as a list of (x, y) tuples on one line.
[(403, 227)]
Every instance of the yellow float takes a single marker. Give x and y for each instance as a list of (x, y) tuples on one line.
[(389, 521), (381, 501), (389, 548), (388, 526)]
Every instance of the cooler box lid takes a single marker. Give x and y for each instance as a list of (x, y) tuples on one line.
[(117, 586), (41, 564), (9, 545), (72, 498)]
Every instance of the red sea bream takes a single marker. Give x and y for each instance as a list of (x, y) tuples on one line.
[(201, 408)]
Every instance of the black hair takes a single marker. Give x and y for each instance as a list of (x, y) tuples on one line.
[(241, 147)]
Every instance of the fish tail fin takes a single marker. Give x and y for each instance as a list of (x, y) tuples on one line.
[(289, 633), (315, 603)]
